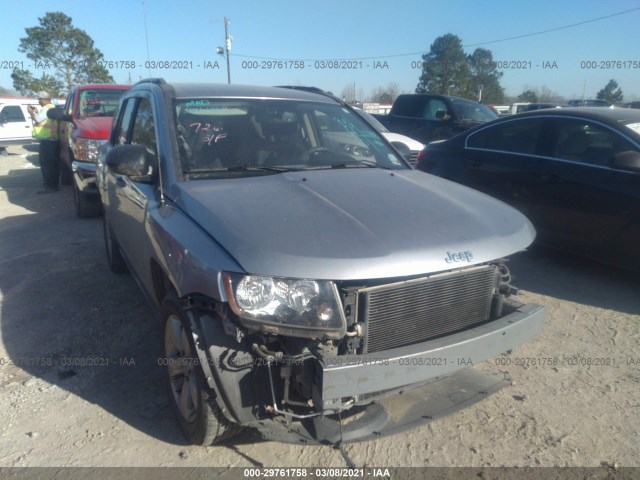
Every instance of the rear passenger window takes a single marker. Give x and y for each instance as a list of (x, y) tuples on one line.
[(587, 142), (434, 109), (12, 113), (513, 137), (409, 106)]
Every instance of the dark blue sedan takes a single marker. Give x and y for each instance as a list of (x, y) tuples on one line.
[(575, 172)]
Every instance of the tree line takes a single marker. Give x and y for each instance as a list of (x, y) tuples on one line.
[(448, 70), (57, 46)]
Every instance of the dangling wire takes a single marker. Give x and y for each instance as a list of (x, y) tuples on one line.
[(340, 446)]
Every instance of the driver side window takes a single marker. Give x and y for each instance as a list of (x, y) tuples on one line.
[(144, 132), (125, 121), (136, 126)]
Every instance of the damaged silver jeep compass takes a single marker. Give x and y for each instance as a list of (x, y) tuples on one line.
[(311, 284)]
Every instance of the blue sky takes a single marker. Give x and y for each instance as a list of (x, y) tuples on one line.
[(386, 33)]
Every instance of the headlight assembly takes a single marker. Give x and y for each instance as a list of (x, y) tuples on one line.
[(86, 150), (286, 306)]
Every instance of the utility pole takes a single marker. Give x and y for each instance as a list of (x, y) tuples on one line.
[(227, 39)]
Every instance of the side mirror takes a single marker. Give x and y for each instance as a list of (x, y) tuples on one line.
[(58, 114), (629, 160), (134, 161)]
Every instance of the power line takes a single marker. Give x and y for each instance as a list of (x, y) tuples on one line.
[(464, 46), (552, 29)]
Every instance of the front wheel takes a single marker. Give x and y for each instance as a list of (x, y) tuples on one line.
[(200, 419)]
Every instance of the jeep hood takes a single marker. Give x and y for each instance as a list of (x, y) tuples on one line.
[(93, 127), (347, 224)]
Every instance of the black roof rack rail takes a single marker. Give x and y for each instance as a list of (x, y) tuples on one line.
[(312, 90)]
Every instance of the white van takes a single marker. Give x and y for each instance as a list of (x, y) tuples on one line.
[(15, 121)]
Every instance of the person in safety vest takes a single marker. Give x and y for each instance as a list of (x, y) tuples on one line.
[(46, 132)]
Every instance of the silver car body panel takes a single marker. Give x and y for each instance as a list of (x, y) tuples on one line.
[(351, 224), (187, 254)]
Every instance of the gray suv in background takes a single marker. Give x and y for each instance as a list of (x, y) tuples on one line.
[(311, 284)]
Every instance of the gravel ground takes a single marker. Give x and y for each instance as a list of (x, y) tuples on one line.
[(574, 400)]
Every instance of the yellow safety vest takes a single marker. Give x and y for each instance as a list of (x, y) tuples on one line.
[(47, 129)]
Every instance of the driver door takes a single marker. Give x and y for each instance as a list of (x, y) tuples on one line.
[(132, 199)]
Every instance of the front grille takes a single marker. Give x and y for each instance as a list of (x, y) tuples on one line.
[(413, 311), (413, 159)]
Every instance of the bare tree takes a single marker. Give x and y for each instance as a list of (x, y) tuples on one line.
[(349, 93), (385, 95)]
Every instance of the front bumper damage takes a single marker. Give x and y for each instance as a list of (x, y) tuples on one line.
[(412, 385), (361, 397), (391, 414)]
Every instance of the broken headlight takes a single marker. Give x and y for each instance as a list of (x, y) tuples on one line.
[(286, 306)]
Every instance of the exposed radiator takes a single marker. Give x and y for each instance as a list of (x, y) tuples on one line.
[(416, 310)]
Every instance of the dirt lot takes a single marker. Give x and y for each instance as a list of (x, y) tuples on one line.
[(574, 401)]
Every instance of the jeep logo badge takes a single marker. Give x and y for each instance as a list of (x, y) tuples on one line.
[(459, 257)]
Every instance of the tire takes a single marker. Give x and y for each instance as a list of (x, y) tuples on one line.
[(114, 257), (200, 419), (85, 207), (66, 176)]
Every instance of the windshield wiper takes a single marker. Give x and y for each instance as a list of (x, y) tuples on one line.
[(265, 167), (355, 164), (239, 168)]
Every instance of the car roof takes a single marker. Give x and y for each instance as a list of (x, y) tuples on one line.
[(607, 115), (611, 116), (436, 95), (18, 101), (103, 86), (195, 90)]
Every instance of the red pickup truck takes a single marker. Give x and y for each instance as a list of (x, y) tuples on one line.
[(88, 113)]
